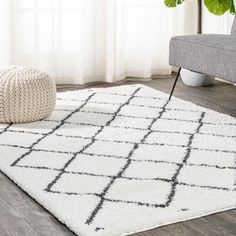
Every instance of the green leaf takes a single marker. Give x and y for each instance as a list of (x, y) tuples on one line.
[(173, 3), (180, 1), (218, 7), (232, 7)]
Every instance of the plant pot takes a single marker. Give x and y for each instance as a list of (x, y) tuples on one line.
[(192, 78)]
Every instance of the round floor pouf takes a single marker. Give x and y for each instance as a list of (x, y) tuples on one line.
[(26, 95)]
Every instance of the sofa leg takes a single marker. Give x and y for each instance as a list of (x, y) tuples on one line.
[(173, 88)]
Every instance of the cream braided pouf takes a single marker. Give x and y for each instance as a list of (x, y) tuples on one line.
[(26, 95)]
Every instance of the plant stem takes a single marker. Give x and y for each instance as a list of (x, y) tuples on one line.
[(199, 25)]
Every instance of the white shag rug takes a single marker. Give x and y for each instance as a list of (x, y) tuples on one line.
[(114, 161)]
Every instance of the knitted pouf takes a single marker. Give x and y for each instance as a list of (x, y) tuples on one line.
[(26, 95)]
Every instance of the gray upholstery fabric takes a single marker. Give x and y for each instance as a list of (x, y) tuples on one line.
[(233, 30), (209, 54)]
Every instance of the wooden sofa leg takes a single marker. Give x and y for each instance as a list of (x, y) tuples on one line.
[(173, 88)]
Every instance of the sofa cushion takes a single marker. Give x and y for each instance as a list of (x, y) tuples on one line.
[(211, 54)]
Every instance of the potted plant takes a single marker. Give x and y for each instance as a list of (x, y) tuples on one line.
[(216, 7)]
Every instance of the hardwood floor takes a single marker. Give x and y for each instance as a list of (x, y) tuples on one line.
[(22, 216)]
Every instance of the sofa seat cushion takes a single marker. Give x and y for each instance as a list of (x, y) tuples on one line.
[(211, 54)]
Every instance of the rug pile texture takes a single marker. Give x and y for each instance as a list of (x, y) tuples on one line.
[(119, 160)]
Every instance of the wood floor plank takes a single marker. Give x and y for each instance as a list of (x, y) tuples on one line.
[(22, 216)]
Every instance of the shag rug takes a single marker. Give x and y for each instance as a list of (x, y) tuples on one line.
[(114, 161)]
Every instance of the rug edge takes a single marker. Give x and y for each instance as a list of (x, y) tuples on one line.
[(156, 90), (180, 221), (38, 202)]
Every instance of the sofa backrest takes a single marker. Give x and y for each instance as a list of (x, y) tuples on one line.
[(233, 30)]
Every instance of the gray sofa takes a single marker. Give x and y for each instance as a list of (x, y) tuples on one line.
[(211, 54)]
